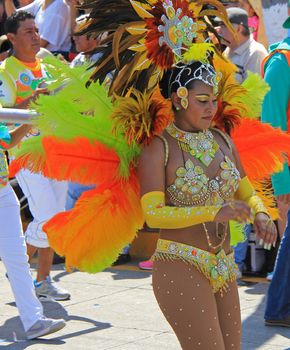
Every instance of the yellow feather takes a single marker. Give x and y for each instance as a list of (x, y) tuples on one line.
[(198, 52), (154, 79), (137, 29), (143, 62), (256, 89), (140, 10), (195, 9), (138, 48)]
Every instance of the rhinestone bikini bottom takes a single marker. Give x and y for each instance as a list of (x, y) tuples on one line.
[(218, 268)]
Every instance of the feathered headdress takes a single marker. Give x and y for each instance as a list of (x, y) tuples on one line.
[(146, 37)]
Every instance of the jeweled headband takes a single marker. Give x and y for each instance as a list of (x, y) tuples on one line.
[(205, 72)]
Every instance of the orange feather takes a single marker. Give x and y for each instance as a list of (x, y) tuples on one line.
[(103, 221), (78, 160), (262, 148)]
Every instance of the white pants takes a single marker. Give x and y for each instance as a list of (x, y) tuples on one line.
[(46, 198), (15, 259)]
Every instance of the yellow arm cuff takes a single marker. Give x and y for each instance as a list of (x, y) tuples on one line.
[(247, 194), (158, 215)]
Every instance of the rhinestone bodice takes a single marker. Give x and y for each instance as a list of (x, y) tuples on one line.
[(193, 187)]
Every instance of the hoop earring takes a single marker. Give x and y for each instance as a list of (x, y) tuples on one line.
[(182, 93)]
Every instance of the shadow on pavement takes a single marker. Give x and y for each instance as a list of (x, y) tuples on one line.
[(12, 330), (62, 272), (122, 274), (255, 333)]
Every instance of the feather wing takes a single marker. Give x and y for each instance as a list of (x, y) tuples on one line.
[(262, 148), (79, 161), (72, 112), (87, 236)]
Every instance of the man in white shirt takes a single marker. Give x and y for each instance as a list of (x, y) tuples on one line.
[(53, 18), (246, 53)]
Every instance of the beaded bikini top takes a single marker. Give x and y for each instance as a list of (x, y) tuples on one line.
[(192, 187)]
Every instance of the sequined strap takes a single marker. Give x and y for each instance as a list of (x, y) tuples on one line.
[(225, 137), (166, 148)]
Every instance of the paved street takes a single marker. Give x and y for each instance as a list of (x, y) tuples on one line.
[(116, 309)]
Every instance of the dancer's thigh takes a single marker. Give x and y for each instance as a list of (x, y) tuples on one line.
[(186, 299), (230, 317)]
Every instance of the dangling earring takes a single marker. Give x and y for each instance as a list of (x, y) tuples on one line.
[(177, 108), (182, 93)]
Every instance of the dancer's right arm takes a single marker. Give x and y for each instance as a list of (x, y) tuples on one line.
[(157, 214)]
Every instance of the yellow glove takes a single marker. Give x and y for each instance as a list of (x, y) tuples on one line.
[(247, 194), (158, 215)]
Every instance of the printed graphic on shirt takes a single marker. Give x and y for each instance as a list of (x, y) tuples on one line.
[(3, 170), (19, 81), (26, 84)]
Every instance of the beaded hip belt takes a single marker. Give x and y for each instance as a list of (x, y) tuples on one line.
[(218, 268)]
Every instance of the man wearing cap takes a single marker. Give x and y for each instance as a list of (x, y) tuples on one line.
[(276, 111), (246, 53)]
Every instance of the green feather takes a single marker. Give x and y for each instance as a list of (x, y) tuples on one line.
[(237, 233), (79, 111), (256, 88)]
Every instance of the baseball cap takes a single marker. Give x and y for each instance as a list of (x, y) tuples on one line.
[(236, 15), (286, 24)]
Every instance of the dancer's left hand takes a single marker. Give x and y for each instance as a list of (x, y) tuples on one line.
[(265, 229)]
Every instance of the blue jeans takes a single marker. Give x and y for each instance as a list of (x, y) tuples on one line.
[(278, 301), (240, 250), (74, 192)]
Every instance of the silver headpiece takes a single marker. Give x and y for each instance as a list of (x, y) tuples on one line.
[(205, 73), (185, 29)]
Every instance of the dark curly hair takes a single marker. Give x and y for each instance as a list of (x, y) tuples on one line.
[(12, 23)]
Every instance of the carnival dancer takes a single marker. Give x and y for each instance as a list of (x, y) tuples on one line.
[(13, 248), (197, 187), (21, 77), (192, 181)]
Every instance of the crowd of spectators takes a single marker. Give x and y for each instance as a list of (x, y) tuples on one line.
[(57, 22)]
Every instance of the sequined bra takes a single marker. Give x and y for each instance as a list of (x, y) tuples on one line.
[(192, 187)]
